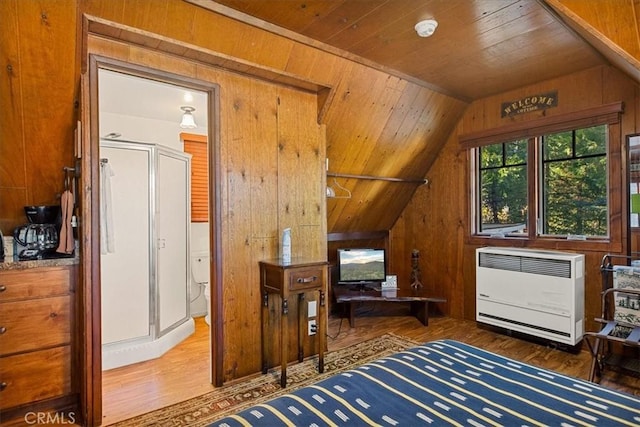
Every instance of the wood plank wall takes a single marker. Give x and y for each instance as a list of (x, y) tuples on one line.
[(38, 90), (371, 118), (269, 135), (382, 126), (436, 221)]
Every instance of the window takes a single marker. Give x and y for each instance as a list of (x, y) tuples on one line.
[(196, 145), (574, 182), (560, 178), (503, 187)]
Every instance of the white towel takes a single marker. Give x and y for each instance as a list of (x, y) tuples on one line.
[(66, 244), (107, 234)]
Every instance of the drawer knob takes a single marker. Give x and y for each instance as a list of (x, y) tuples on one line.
[(2, 330), (307, 279), (53, 314), (3, 385), (3, 288)]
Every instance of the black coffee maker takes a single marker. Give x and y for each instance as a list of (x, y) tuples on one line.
[(39, 238)]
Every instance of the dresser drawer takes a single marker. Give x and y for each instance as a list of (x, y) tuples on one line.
[(35, 376), (34, 283), (306, 278), (31, 324)]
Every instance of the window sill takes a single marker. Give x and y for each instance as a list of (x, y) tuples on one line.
[(589, 245)]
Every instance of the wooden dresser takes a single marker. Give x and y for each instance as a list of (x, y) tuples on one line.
[(36, 339)]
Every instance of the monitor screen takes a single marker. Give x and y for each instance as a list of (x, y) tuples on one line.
[(362, 265)]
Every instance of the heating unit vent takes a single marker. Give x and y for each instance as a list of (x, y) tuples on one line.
[(537, 292), (523, 264)]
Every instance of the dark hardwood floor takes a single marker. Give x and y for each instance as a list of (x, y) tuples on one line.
[(183, 373)]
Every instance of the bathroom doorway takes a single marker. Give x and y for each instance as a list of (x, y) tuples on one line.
[(136, 125)]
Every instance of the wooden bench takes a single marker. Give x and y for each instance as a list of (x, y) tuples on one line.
[(418, 298)]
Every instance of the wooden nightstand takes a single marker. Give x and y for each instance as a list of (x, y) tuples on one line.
[(287, 279)]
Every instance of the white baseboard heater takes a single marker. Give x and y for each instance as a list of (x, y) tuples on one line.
[(536, 292)]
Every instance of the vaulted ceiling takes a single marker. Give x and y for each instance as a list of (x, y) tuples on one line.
[(394, 124), (479, 48)]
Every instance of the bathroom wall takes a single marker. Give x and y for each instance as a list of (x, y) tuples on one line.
[(134, 127), (199, 243), (141, 129)]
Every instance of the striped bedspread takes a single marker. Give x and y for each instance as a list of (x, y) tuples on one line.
[(446, 383)]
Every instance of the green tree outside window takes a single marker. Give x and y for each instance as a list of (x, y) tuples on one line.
[(571, 197)]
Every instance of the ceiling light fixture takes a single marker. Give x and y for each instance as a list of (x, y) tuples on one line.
[(187, 118), (426, 28)]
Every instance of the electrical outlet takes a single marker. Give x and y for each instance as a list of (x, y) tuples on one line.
[(313, 327), (312, 309)]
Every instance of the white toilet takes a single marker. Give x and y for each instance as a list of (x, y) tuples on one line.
[(200, 273)]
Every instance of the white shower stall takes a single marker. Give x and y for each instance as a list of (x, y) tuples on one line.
[(145, 263)]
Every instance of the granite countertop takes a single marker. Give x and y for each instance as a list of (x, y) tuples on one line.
[(10, 264)]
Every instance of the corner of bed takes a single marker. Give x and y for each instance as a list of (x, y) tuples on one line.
[(445, 382)]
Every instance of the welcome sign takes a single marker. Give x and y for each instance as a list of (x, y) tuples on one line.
[(530, 103)]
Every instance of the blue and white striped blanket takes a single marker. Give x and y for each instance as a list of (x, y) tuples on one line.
[(445, 383)]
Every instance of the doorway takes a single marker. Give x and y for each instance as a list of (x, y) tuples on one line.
[(143, 108)]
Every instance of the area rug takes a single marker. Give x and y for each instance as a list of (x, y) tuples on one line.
[(202, 410)]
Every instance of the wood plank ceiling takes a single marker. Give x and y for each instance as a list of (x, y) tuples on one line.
[(395, 123), (480, 47)]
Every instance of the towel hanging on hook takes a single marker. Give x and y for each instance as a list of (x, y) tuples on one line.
[(343, 194), (68, 177)]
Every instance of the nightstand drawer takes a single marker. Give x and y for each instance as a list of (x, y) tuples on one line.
[(305, 278), (32, 324), (35, 376), (36, 283)]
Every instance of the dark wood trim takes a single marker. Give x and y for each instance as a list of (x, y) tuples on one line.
[(90, 254), (135, 36), (532, 184), (357, 235), (605, 114), (215, 240), (91, 351), (324, 98), (598, 246)]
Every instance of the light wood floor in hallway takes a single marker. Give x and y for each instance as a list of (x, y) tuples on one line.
[(183, 372)]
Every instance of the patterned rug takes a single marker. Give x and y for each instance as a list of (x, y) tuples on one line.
[(202, 410)]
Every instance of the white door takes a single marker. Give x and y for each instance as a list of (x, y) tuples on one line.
[(125, 272), (173, 218)]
